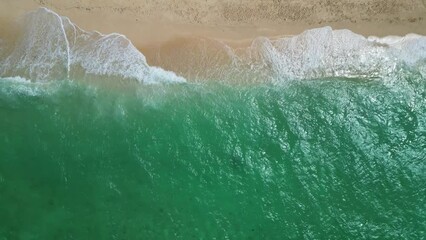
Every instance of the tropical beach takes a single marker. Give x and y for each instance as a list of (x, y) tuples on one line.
[(216, 119)]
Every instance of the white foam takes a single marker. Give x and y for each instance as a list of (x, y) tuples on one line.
[(325, 52), (40, 52), (16, 79), (51, 47), (158, 75)]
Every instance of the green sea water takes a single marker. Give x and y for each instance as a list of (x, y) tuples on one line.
[(320, 159)]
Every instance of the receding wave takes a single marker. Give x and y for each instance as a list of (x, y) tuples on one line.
[(51, 47), (315, 53)]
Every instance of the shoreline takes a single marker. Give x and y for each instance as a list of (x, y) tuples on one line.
[(150, 24), (185, 47)]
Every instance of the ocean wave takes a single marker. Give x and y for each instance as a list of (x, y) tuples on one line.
[(51, 47), (325, 52), (316, 53)]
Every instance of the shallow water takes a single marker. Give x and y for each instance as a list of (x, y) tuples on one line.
[(316, 136), (322, 159)]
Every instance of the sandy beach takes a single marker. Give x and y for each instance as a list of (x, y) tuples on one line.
[(328, 159), (167, 30), (149, 22), (225, 119)]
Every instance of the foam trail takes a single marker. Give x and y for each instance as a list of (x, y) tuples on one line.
[(316, 53), (325, 52), (51, 47), (40, 53)]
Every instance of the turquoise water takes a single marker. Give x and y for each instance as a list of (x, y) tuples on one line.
[(321, 159)]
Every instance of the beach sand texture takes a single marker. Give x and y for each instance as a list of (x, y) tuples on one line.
[(179, 34), (212, 124), (147, 22)]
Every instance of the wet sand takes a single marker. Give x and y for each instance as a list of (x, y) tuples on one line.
[(171, 31)]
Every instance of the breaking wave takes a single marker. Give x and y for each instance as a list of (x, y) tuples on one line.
[(326, 159), (51, 47)]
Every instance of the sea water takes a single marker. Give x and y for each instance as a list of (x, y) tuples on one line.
[(297, 141)]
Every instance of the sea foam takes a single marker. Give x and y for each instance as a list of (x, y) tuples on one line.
[(51, 47), (315, 53), (325, 52)]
